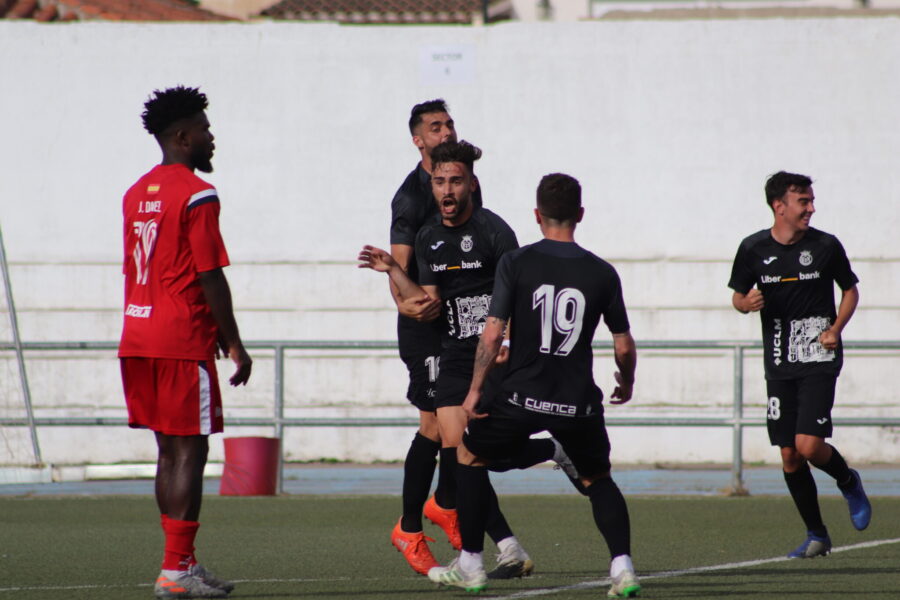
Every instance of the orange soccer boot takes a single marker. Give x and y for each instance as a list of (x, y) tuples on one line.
[(446, 519), (414, 547)]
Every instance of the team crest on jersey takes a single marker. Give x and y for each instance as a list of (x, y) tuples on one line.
[(466, 244), (806, 258)]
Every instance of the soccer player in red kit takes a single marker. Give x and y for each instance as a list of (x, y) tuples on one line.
[(177, 315)]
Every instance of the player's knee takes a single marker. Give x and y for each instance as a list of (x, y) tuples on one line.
[(428, 425), (791, 459), (189, 450), (589, 480), (450, 438), (810, 447), (430, 431)]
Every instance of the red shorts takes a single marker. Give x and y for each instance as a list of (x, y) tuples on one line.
[(172, 396)]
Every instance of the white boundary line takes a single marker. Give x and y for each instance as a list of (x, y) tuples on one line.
[(691, 571), (524, 594)]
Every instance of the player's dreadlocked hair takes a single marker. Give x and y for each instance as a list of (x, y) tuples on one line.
[(458, 152), (171, 105), (559, 197), (781, 183), (431, 106)]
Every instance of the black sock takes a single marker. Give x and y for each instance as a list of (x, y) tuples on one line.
[(838, 469), (473, 501), (496, 525), (533, 453), (611, 515), (445, 494), (802, 487), (418, 471)]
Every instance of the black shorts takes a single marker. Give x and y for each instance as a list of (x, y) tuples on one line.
[(423, 373), (504, 433), (420, 347), (455, 377), (799, 406), (457, 362)]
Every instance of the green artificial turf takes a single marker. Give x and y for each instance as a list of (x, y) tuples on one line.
[(338, 547)]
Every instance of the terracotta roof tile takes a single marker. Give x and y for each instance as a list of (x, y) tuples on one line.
[(112, 10), (379, 5), (377, 11), (46, 14), (23, 9)]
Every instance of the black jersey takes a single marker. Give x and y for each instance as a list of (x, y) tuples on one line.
[(461, 262), (413, 206), (797, 284), (555, 293)]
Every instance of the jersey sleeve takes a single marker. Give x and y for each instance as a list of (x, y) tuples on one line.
[(843, 274), (207, 247), (426, 275), (502, 296), (742, 277), (404, 225), (616, 316), (504, 241)]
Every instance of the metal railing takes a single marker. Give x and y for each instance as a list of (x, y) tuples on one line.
[(736, 422)]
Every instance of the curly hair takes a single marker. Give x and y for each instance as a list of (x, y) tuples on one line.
[(458, 152), (171, 105)]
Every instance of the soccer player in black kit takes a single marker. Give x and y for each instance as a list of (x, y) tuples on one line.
[(552, 294), (456, 257), (794, 268), (419, 340)]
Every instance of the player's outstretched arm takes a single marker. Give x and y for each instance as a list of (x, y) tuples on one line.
[(379, 260), (218, 297), (849, 301), (625, 352), (752, 301), (485, 355)]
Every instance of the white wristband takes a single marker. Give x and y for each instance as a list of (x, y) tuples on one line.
[(505, 343)]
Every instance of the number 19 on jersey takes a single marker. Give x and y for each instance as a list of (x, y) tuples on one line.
[(563, 312)]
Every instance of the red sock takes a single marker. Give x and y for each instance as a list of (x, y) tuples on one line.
[(163, 518), (180, 536)]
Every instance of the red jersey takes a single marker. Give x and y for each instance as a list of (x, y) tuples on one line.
[(171, 235)]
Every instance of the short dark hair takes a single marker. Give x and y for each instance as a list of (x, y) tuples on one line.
[(423, 108), (781, 183), (559, 197), (170, 105), (459, 152)]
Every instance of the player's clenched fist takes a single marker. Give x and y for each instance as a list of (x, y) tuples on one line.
[(829, 339), (753, 301)]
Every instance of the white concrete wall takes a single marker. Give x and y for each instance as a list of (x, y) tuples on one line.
[(672, 128)]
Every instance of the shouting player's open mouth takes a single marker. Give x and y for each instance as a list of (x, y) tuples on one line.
[(449, 206)]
